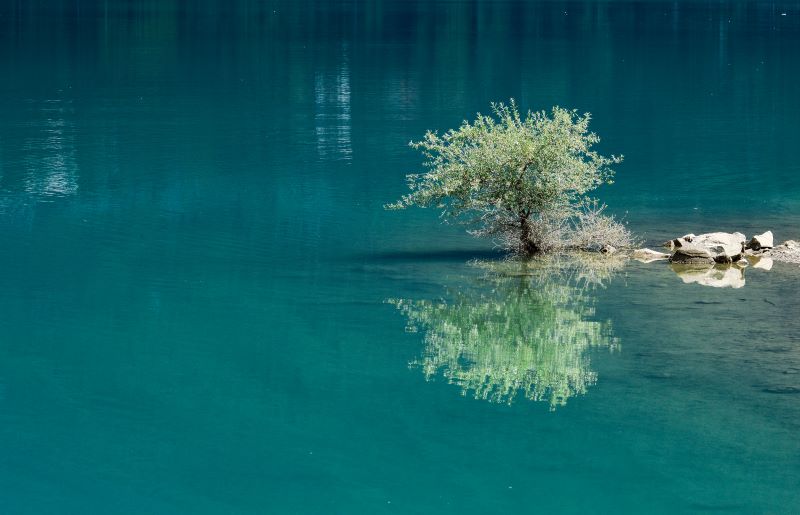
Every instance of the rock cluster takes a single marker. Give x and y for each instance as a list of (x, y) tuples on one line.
[(714, 247), (718, 259), (726, 248)]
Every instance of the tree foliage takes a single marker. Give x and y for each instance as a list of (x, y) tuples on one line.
[(520, 180)]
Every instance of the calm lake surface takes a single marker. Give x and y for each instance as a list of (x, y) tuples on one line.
[(205, 308)]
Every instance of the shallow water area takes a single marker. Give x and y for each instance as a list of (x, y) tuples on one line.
[(206, 309)]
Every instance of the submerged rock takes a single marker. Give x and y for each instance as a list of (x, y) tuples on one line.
[(648, 255), (714, 276), (760, 241)]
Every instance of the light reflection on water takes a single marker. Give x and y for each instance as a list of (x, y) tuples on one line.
[(333, 115), (50, 155)]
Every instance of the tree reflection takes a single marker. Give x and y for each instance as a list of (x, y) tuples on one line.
[(520, 327)]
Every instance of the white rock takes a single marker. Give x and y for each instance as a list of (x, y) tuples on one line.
[(718, 243), (761, 241), (648, 255), (690, 253)]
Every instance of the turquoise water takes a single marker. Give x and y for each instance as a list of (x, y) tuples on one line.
[(205, 309)]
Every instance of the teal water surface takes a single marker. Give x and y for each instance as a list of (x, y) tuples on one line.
[(205, 308)]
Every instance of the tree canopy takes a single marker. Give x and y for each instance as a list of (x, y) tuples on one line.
[(520, 180)]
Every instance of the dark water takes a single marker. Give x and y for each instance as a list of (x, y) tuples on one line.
[(199, 289)]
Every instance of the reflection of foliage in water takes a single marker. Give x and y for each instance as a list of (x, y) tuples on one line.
[(525, 327)]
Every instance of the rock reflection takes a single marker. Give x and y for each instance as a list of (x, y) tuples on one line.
[(520, 328), (761, 262), (716, 276)]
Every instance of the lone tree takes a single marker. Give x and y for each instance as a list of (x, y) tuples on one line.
[(520, 181)]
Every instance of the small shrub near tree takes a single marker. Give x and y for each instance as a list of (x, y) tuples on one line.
[(520, 181)]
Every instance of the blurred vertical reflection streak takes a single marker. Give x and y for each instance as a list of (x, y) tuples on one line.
[(333, 116), (50, 160)]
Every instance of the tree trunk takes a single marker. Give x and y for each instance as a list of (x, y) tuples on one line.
[(526, 245)]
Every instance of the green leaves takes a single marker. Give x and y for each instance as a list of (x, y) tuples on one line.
[(503, 170)]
